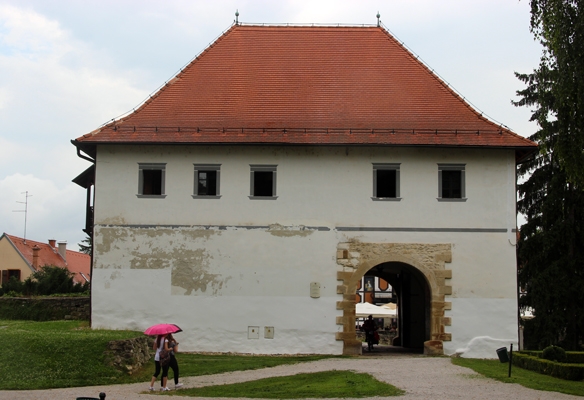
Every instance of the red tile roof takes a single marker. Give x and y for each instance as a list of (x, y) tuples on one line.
[(77, 263), (307, 85)]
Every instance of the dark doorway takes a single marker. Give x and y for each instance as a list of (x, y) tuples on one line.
[(413, 300)]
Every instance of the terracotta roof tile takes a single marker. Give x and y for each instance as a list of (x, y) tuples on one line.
[(80, 265), (307, 85)]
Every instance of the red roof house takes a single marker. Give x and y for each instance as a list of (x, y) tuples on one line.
[(21, 258)]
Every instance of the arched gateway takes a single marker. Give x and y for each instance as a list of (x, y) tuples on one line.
[(355, 259)]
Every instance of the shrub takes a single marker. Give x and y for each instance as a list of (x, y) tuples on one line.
[(12, 286), (12, 293), (554, 353), (572, 372), (48, 280), (575, 357)]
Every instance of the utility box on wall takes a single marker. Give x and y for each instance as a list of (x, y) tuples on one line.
[(253, 332), (268, 332), (314, 290)]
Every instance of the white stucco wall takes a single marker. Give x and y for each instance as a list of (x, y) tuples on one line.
[(218, 266)]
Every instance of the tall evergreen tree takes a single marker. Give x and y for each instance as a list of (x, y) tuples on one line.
[(559, 26), (551, 247), (85, 246)]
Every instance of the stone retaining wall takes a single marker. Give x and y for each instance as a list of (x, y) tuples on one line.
[(45, 308), (130, 354)]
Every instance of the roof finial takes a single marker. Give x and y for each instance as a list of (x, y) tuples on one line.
[(236, 17), (378, 16)]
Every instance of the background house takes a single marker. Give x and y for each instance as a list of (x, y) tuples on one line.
[(20, 258), (248, 198)]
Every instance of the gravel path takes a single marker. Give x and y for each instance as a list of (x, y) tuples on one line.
[(421, 377)]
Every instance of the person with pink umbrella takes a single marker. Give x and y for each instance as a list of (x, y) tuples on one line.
[(162, 355), (160, 343), (173, 345)]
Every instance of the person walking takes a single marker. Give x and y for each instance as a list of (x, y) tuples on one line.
[(369, 326), (173, 346), (160, 343)]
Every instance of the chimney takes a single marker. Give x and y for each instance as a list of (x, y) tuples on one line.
[(35, 256), (63, 250), (52, 243)]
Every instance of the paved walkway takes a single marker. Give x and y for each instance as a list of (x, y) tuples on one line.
[(421, 377)]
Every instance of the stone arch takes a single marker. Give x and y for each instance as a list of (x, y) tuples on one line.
[(356, 258)]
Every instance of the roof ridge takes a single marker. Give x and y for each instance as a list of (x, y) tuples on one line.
[(36, 242), (305, 25)]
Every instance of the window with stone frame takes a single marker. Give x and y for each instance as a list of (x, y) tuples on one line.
[(207, 179), (451, 182), (386, 181), (263, 181), (151, 180)]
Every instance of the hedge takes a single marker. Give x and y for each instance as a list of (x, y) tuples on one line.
[(572, 357), (572, 372)]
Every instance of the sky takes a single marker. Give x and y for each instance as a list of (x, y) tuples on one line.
[(69, 66)]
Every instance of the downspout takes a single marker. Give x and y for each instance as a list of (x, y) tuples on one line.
[(519, 333)]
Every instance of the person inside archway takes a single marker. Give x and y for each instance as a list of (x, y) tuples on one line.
[(369, 326)]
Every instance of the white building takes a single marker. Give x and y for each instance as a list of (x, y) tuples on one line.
[(246, 199)]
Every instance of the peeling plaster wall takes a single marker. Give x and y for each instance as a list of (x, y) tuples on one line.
[(215, 283), (218, 266)]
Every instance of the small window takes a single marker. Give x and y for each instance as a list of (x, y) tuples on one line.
[(151, 180), (386, 182), (10, 273), (263, 182), (14, 273), (451, 186), (207, 180)]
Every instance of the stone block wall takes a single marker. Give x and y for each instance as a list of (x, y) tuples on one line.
[(45, 308), (130, 354), (356, 258)]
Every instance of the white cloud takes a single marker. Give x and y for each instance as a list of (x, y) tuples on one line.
[(54, 87), (54, 212), (10, 151), (29, 32)]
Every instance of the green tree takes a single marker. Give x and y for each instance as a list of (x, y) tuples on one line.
[(559, 26), (50, 280), (551, 246), (85, 246)]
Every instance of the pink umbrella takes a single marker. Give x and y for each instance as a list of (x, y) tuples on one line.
[(162, 329)]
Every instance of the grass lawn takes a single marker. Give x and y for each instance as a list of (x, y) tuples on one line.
[(69, 354), (43, 355), (318, 385), (500, 371)]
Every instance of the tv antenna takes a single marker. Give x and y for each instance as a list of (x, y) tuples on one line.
[(25, 211)]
